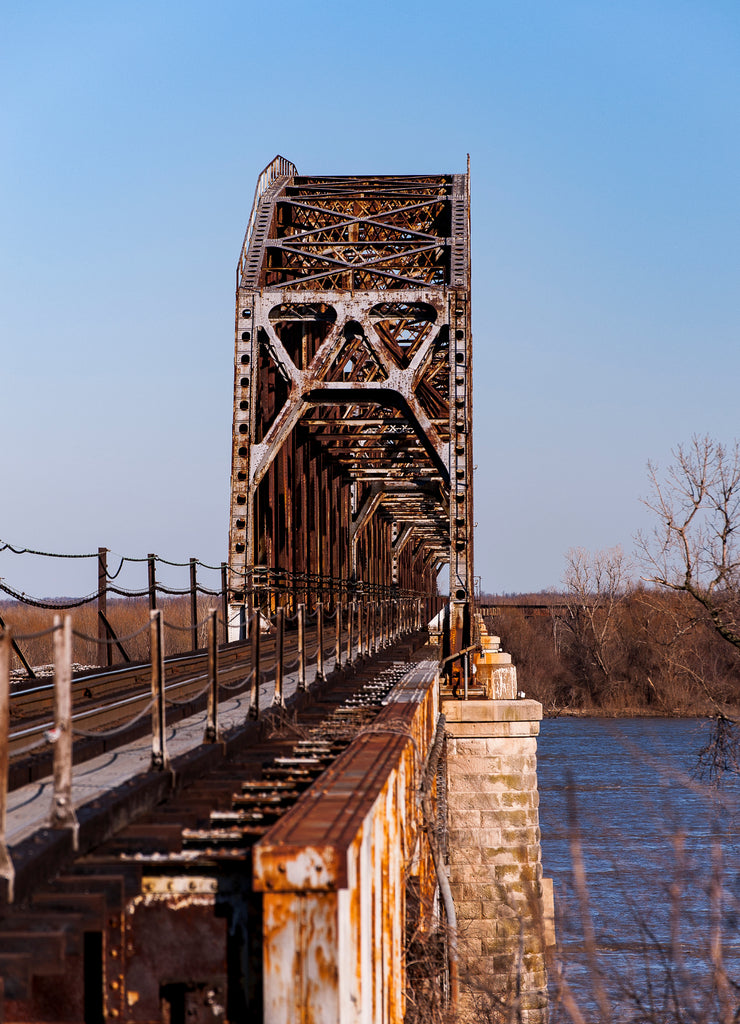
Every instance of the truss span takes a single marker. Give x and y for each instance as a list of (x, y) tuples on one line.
[(352, 441)]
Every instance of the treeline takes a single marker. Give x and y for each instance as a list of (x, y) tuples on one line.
[(643, 649)]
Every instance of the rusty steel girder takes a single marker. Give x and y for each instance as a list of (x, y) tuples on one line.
[(334, 872), (352, 440)]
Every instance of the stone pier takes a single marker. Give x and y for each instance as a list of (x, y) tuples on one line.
[(503, 904)]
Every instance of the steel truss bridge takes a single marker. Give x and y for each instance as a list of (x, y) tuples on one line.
[(352, 442), (290, 863)]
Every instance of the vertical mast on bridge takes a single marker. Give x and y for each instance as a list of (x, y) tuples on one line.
[(352, 443)]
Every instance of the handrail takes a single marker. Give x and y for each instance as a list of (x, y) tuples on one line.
[(459, 654), (277, 168)]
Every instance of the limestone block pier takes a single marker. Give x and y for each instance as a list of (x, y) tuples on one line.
[(503, 904)]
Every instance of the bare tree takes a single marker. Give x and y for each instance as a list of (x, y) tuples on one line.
[(596, 584), (694, 547)]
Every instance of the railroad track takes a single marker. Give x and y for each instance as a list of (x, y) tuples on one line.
[(106, 700)]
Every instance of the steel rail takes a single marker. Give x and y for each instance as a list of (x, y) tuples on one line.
[(187, 682)]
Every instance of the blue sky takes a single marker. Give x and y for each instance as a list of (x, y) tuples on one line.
[(606, 249)]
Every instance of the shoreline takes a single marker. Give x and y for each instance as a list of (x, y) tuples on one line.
[(731, 712)]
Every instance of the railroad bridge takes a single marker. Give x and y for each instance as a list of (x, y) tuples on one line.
[(327, 810)]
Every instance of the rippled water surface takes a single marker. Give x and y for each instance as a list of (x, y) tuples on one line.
[(650, 834)]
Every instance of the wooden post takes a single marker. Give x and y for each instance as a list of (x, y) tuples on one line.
[(320, 677), (7, 871), (225, 601), (62, 809), (301, 647), (194, 603), (152, 559), (254, 635), (211, 733), (277, 697), (105, 651), (159, 739)]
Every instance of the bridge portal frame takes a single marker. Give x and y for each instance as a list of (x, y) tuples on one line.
[(353, 349)]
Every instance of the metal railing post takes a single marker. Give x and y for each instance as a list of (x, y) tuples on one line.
[(254, 635), (225, 601), (105, 652), (62, 809), (350, 630), (320, 677), (159, 741), (7, 871), (338, 644), (277, 697), (152, 577), (301, 685), (194, 603), (211, 733)]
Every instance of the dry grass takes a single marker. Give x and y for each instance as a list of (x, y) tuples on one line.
[(128, 617)]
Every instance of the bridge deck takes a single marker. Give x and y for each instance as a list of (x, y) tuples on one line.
[(30, 805)]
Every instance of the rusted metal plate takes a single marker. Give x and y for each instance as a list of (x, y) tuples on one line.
[(175, 951)]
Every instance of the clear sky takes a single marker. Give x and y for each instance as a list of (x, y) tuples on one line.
[(605, 158)]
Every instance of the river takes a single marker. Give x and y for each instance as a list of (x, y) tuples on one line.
[(650, 836)]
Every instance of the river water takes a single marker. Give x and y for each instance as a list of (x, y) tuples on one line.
[(662, 863)]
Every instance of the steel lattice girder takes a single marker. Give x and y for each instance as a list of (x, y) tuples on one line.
[(354, 357)]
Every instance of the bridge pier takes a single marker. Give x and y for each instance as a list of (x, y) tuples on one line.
[(494, 856)]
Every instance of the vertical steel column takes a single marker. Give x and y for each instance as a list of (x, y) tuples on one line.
[(255, 624), (360, 630), (277, 698), (159, 738), (320, 677), (211, 733), (62, 809), (7, 871), (301, 647)]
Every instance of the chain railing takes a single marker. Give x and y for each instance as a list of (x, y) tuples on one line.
[(253, 587)]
